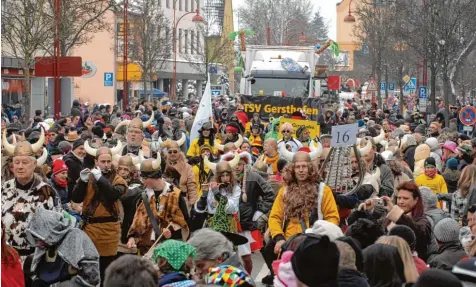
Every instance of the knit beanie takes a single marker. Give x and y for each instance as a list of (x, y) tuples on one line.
[(316, 261), (437, 278), (428, 197), (64, 146), (447, 230), (430, 162), (452, 163), (406, 233), (465, 270), (421, 129), (283, 269), (77, 143), (322, 227), (59, 166)]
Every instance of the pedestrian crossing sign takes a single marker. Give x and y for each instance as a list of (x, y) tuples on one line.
[(411, 85)]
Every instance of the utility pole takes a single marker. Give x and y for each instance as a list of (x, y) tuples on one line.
[(125, 88), (56, 53)]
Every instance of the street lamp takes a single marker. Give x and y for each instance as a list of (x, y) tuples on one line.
[(197, 18), (349, 18)]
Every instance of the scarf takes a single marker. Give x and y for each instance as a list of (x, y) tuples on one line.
[(60, 183), (431, 173), (273, 161)]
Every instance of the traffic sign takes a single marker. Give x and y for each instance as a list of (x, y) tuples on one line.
[(406, 79), (467, 115), (422, 93), (391, 87), (383, 86), (108, 79), (390, 101), (422, 105), (372, 86), (412, 84)]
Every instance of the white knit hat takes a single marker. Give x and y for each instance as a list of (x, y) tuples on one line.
[(322, 227)]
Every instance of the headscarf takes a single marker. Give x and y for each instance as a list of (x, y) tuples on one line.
[(176, 252)]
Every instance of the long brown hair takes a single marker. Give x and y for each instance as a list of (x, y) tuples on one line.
[(418, 210), (409, 268), (300, 199), (467, 178)]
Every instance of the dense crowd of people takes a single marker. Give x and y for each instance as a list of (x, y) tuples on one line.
[(102, 197)]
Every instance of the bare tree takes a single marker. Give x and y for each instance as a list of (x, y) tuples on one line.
[(149, 45), (25, 28)]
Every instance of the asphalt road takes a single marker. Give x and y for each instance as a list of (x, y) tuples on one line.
[(260, 269)]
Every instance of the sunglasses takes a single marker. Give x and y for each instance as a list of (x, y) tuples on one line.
[(286, 132), (172, 151)]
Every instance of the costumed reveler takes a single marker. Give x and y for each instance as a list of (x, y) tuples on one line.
[(165, 203), (287, 130), (135, 136), (206, 136), (127, 169), (299, 203), (99, 190), (256, 139), (23, 194), (221, 200), (268, 161), (256, 200), (175, 160), (303, 135)]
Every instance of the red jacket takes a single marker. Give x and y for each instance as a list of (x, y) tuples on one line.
[(420, 265), (12, 272)]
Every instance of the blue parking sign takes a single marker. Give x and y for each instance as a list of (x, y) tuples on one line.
[(391, 87), (422, 92), (383, 85), (108, 78)]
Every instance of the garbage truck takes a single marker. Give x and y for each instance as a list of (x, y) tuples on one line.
[(285, 71)]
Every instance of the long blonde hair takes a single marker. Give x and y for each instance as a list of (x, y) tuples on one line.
[(467, 178), (411, 273)]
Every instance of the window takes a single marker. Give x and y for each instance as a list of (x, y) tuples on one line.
[(180, 5), (186, 5), (167, 3), (167, 36), (192, 40), (186, 41), (198, 43), (180, 40)]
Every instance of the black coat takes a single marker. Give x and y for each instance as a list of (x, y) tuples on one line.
[(256, 187), (409, 156), (129, 201), (450, 254), (75, 166), (351, 278)]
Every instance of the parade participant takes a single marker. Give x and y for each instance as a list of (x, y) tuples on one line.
[(232, 131), (273, 129), (221, 200), (99, 190), (206, 136), (299, 203), (129, 201), (175, 260), (63, 254), (374, 161), (23, 194), (326, 121), (74, 160), (165, 203), (175, 159), (287, 130), (200, 170), (256, 120), (409, 211), (269, 159), (256, 139), (303, 135), (134, 135), (432, 179), (256, 199)]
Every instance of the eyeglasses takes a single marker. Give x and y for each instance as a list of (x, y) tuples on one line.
[(286, 132), (172, 151)]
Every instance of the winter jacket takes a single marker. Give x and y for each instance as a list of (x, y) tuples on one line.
[(471, 200), (436, 214), (457, 205), (409, 156), (351, 278), (421, 226), (75, 166), (71, 246), (386, 176), (277, 216), (129, 202), (450, 254), (254, 207), (451, 178), (188, 185)]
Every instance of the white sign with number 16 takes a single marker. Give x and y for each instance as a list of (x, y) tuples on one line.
[(345, 135)]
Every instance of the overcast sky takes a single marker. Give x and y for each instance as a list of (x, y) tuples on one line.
[(328, 9)]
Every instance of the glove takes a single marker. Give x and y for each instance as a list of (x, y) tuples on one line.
[(84, 174), (97, 173)]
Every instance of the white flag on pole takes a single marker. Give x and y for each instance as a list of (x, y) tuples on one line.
[(204, 112)]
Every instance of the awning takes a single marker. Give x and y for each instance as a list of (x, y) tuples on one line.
[(154, 92)]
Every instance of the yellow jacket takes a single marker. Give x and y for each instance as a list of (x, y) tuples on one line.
[(194, 149), (196, 172), (436, 184), (276, 218)]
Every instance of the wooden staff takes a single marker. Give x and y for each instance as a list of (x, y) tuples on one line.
[(149, 253)]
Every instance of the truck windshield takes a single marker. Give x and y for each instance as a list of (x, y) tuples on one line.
[(274, 86)]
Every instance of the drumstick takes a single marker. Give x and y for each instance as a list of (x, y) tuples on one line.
[(155, 243)]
